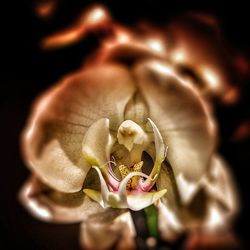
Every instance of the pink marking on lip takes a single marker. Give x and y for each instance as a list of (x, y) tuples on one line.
[(145, 186)]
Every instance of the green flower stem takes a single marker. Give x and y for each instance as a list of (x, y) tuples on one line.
[(152, 220)]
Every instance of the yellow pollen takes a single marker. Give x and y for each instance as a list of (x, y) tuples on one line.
[(124, 171)]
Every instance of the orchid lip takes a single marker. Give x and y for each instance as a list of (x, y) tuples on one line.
[(122, 198), (114, 191)]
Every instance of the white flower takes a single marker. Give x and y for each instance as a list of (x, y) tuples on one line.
[(114, 137), (131, 191)]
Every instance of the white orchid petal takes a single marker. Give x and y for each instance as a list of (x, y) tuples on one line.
[(104, 188), (160, 155), (160, 151), (97, 144), (128, 220), (222, 194), (52, 140), (141, 200), (105, 198), (52, 206), (170, 226), (181, 116), (167, 180), (108, 231), (187, 189)]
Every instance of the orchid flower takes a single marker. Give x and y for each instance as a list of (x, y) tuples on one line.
[(115, 137), (134, 140)]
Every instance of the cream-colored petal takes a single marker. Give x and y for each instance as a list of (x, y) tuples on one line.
[(170, 226), (160, 155), (160, 149), (103, 199), (181, 116), (223, 202), (103, 232), (97, 144), (127, 238), (139, 201), (211, 208), (166, 180), (170, 220), (187, 189), (52, 206), (52, 139)]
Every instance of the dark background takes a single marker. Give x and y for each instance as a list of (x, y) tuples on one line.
[(26, 71)]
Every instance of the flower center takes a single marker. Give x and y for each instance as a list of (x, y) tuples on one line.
[(131, 140), (132, 184)]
